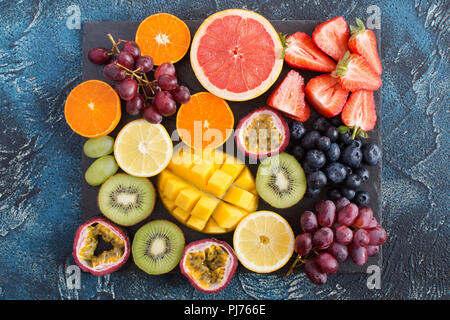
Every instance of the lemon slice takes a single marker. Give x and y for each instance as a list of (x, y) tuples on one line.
[(143, 149), (263, 241)]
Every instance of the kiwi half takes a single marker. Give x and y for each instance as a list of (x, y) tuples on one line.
[(158, 246), (126, 200), (281, 181)]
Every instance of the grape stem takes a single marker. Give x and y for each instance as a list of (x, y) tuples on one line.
[(115, 44), (298, 259)]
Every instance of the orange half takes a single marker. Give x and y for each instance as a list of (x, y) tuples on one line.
[(206, 121), (164, 37), (92, 109)]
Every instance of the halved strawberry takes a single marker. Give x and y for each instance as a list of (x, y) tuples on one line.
[(302, 53), (359, 112), (354, 73), (332, 37), (364, 43), (326, 95), (289, 97)]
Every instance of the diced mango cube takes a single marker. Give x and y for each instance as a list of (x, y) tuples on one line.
[(180, 214), (212, 227), (232, 166), (163, 177), (200, 173), (173, 187), (219, 182), (227, 216), (239, 197), (196, 223), (246, 180), (169, 204), (205, 207), (187, 199)]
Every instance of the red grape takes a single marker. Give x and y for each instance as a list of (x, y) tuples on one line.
[(167, 82), (144, 63), (125, 59), (303, 243), (340, 203), (135, 105), (181, 94), (99, 55), (151, 114), (364, 218), (127, 89), (327, 262), (359, 255), (132, 48), (308, 221), (343, 235), (361, 238), (165, 104), (113, 72), (372, 250), (151, 90), (323, 238), (326, 212), (339, 251), (377, 236), (314, 273), (348, 214), (165, 68), (373, 224)]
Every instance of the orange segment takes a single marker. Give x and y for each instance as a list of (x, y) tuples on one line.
[(92, 109), (205, 122), (164, 37)]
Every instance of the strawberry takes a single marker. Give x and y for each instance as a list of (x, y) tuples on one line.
[(359, 113), (354, 73), (289, 97), (364, 43), (326, 95), (302, 53), (332, 37)]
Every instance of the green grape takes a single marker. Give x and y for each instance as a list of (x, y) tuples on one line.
[(100, 170), (98, 147)]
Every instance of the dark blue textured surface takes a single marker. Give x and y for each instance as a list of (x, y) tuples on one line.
[(40, 174)]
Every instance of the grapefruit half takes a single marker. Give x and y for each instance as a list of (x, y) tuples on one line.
[(236, 54)]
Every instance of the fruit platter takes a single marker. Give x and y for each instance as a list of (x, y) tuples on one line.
[(232, 144)]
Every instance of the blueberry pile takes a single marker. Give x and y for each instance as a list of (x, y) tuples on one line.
[(334, 160)]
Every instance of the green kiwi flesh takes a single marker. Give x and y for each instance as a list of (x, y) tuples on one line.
[(158, 247), (125, 199), (280, 181)]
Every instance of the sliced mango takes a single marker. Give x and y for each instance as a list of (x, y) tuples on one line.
[(219, 182), (187, 199), (196, 223), (227, 216), (205, 207), (239, 197)]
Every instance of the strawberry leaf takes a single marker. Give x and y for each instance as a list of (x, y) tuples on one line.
[(283, 43)]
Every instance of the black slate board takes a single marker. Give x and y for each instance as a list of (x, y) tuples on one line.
[(95, 35)]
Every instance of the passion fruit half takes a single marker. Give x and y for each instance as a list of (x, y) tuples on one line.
[(262, 133), (209, 264), (95, 234)]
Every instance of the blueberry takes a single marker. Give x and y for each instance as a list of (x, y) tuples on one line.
[(352, 156), (353, 181), (361, 198), (297, 130), (336, 172), (356, 143), (312, 192), (323, 143), (317, 179), (306, 168), (345, 138), (298, 152), (333, 153), (332, 133), (321, 124), (348, 193), (315, 158), (309, 139), (371, 154), (336, 121), (363, 173), (334, 194), (348, 170)]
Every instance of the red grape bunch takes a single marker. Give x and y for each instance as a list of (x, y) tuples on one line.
[(153, 98), (335, 231)]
